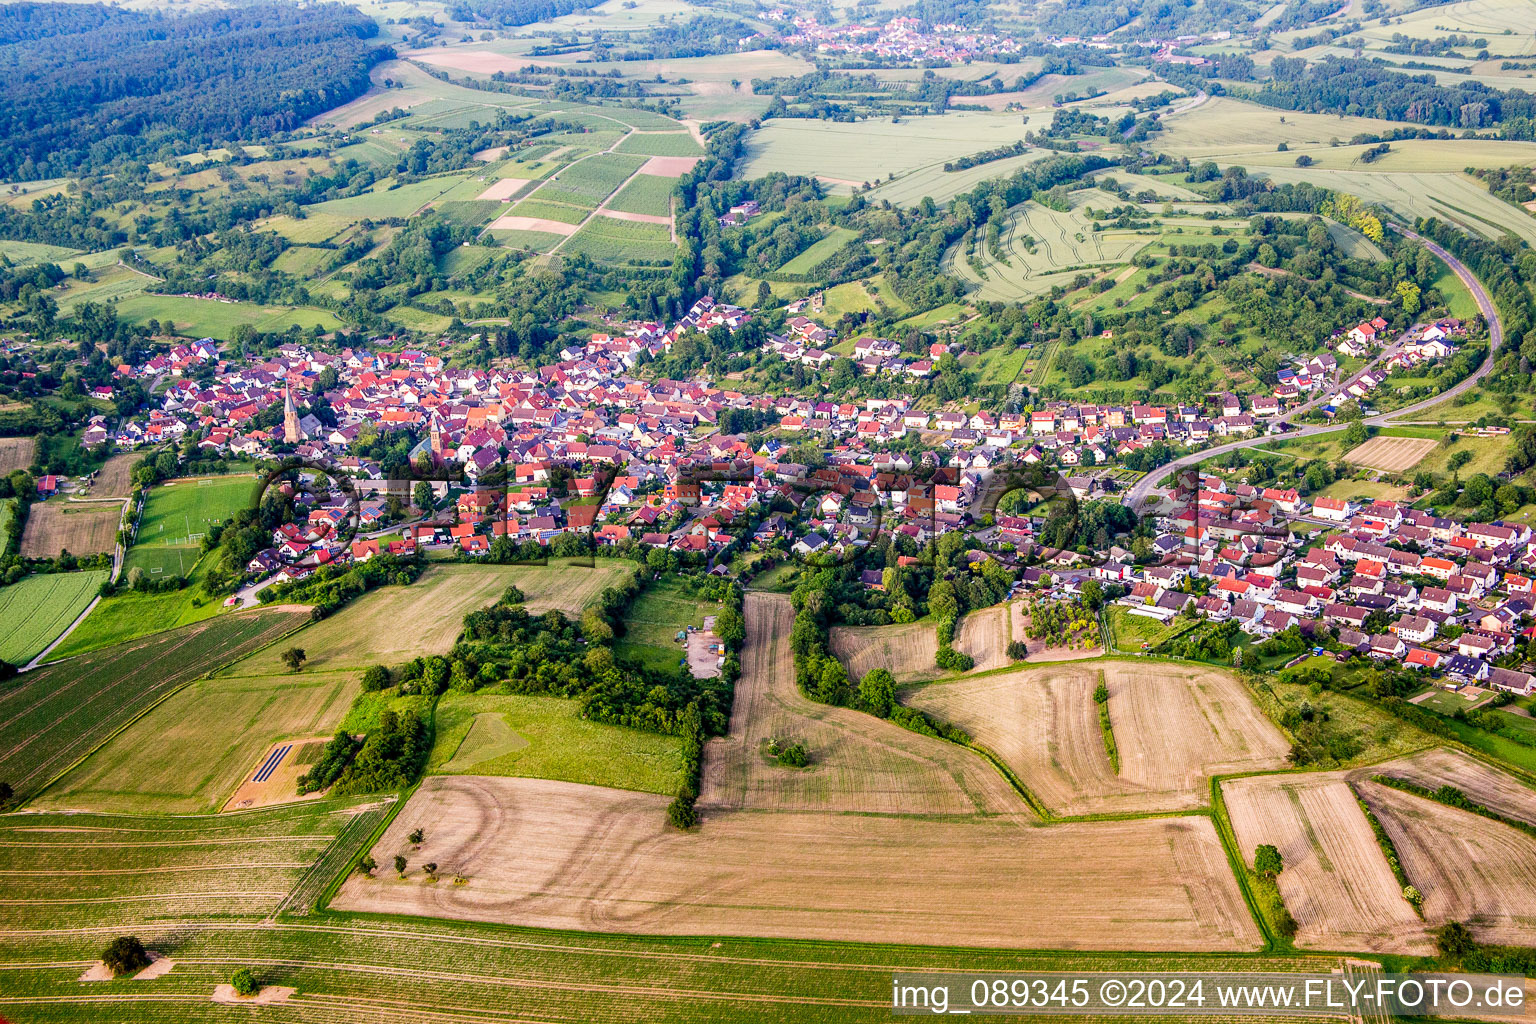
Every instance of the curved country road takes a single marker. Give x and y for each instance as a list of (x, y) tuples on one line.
[(1144, 487)]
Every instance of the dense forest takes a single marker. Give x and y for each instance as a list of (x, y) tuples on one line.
[(515, 12), (84, 86), (1368, 88)]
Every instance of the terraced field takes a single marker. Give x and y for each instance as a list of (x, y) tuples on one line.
[(1042, 247)]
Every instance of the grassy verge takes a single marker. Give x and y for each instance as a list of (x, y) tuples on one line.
[(1388, 849)]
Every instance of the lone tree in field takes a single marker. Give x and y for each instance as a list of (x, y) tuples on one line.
[(6, 793), (1267, 862), (294, 658), (417, 836), (400, 865), (366, 865), (1454, 941), (125, 955), (244, 982)]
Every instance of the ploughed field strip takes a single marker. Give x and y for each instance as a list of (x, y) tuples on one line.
[(561, 855), (1175, 727)]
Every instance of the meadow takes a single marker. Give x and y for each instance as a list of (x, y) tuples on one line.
[(530, 736), (384, 201), (36, 609), (806, 261), (188, 753), (393, 624), (60, 713), (653, 621), (127, 615), (214, 318), (178, 514)]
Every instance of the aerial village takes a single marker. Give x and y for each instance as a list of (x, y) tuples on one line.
[(585, 448)]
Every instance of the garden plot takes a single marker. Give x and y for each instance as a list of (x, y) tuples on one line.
[(857, 762), (1392, 454), (1336, 882), (557, 855), (1174, 726)]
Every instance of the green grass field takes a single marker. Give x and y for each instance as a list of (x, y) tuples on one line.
[(664, 144), (59, 714), (36, 609), (806, 261), (214, 319), (128, 615), (645, 193), (383, 201), (562, 212), (545, 738), (178, 514), (654, 620), (1132, 630), (191, 751)]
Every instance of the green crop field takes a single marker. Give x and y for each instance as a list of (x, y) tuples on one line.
[(469, 212), (216, 319), (301, 260), (178, 514), (191, 751), (550, 211), (535, 241), (1062, 244), (60, 713), (666, 144), (110, 871), (23, 254), (595, 177), (382, 201), (36, 609), (314, 227), (1226, 129), (622, 241), (546, 738), (805, 261), (645, 193), (127, 615)]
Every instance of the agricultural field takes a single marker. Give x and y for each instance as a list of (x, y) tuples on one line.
[(592, 179), (214, 318), (393, 624), (60, 713), (178, 514), (127, 615), (1041, 248), (97, 872), (1451, 197), (857, 762), (984, 635), (660, 144), (1174, 728), (1446, 766), (1336, 881), (1228, 130), (385, 201), (1469, 869), (81, 528), (1392, 454), (846, 155), (907, 651), (15, 453), (558, 855), (653, 621), (538, 737), (190, 752), (36, 609), (608, 240), (646, 194)]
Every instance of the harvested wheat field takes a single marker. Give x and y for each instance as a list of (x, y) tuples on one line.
[(504, 189), (983, 635), (1336, 882), (669, 166), (115, 478), (81, 528), (1393, 454), (1469, 868), (560, 855), (1175, 726), (906, 651), (1442, 766), (858, 762), (1039, 652), (15, 453)]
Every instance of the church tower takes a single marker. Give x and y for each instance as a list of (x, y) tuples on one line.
[(435, 435), (291, 432)]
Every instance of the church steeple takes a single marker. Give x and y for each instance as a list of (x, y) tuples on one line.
[(292, 434)]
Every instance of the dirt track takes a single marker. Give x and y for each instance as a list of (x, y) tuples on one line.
[(858, 762)]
